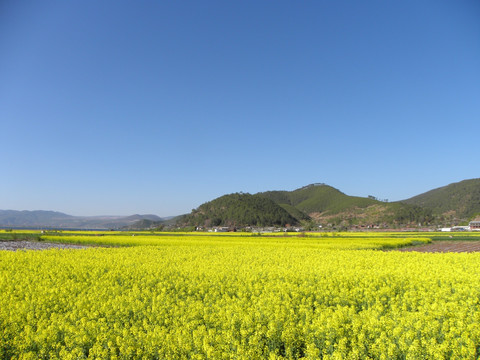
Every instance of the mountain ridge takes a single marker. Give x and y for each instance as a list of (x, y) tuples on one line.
[(459, 200), (321, 204), (316, 203), (55, 219)]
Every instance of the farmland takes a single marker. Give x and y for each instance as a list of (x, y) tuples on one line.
[(239, 296)]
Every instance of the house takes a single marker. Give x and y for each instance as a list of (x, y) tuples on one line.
[(474, 225)]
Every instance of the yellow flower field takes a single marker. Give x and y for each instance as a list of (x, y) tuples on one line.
[(328, 242), (190, 297)]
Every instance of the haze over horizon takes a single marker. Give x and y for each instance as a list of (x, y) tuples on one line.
[(121, 108)]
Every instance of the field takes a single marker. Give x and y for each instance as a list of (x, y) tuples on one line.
[(242, 296)]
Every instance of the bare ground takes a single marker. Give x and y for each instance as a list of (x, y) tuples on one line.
[(35, 245), (445, 246)]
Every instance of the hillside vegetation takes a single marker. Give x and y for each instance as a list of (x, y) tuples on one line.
[(239, 210), (460, 200), (327, 205), (310, 205), (318, 198)]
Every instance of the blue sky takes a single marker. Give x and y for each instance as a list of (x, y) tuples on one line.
[(123, 107)]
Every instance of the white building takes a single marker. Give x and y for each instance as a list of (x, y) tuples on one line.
[(474, 225)]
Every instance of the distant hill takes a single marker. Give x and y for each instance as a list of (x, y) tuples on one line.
[(143, 217), (144, 224), (58, 220), (460, 199), (14, 218), (238, 210)]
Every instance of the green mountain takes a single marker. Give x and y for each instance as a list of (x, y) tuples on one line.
[(317, 198), (309, 205), (327, 205), (458, 200), (238, 210)]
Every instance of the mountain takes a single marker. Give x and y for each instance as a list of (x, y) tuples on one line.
[(143, 217), (459, 200), (238, 210), (58, 220), (13, 218), (144, 224), (318, 198), (310, 205), (327, 205)]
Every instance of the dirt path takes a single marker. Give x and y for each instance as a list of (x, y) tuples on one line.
[(445, 246), (35, 245)]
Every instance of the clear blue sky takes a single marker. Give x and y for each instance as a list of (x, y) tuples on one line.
[(123, 107)]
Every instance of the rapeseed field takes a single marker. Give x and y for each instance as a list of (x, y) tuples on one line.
[(232, 297)]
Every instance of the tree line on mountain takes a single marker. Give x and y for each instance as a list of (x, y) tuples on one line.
[(239, 209)]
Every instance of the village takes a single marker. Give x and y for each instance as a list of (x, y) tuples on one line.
[(472, 226)]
